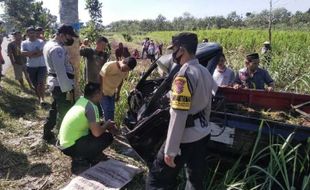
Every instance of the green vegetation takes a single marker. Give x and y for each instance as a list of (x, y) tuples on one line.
[(290, 66), (281, 19), (20, 14), (280, 165)]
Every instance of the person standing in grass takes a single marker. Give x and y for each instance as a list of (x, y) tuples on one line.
[(112, 75), (32, 48), (18, 60), (266, 53), (223, 76), (60, 78), (151, 51), (253, 77), (95, 59), (121, 52), (145, 46)]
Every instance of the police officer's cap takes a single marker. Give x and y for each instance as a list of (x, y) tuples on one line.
[(184, 38), (66, 29)]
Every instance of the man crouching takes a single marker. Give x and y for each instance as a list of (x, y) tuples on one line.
[(82, 135)]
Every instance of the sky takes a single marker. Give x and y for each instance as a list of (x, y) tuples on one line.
[(114, 10)]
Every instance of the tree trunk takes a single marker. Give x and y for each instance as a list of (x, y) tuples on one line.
[(69, 14)]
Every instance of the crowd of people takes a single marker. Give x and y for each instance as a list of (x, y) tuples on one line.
[(83, 128), (150, 49)]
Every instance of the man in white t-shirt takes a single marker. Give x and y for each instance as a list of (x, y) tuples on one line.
[(32, 48), (223, 76)]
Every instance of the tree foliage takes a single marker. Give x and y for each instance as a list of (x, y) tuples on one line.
[(94, 8), (20, 14), (281, 18)]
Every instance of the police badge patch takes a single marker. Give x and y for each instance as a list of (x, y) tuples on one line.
[(179, 85), (181, 96)]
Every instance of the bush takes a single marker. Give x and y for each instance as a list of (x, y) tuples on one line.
[(127, 37)]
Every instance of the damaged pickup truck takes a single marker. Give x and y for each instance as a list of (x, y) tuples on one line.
[(236, 119)]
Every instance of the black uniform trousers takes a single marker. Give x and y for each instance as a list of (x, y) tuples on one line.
[(163, 177), (89, 147)]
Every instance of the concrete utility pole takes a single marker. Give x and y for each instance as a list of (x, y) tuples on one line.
[(69, 14), (270, 20)]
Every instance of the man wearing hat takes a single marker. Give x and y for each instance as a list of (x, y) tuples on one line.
[(253, 77), (40, 33), (188, 132), (32, 48), (266, 52), (18, 60), (60, 78)]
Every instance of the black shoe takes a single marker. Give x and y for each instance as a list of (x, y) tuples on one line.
[(78, 165), (101, 157)]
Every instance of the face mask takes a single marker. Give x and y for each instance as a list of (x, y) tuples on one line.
[(175, 58), (69, 42)]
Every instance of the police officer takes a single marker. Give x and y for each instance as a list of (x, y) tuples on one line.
[(60, 78), (188, 131)]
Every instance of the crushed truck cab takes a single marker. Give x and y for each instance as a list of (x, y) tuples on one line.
[(232, 132)]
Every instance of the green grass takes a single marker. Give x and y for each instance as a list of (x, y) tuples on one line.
[(290, 66)]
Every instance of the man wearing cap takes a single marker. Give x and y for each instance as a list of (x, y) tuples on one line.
[(188, 131), (95, 59), (253, 77), (266, 52), (60, 78), (32, 48), (18, 60), (40, 33), (112, 75)]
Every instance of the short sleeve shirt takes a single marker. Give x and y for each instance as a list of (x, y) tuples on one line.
[(224, 78), (257, 81), (14, 49), (94, 62), (113, 77), (36, 45)]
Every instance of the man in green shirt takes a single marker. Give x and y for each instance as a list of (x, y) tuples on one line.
[(81, 134)]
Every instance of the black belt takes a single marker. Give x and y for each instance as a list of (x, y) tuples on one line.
[(70, 76), (190, 121)]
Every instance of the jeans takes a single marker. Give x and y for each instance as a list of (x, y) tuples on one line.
[(57, 112), (193, 155), (89, 147), (108, 106)]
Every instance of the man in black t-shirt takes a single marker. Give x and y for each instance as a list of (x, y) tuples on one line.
[(18, 60), (95, 59)]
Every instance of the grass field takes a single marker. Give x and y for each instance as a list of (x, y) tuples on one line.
[(290, 66)]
